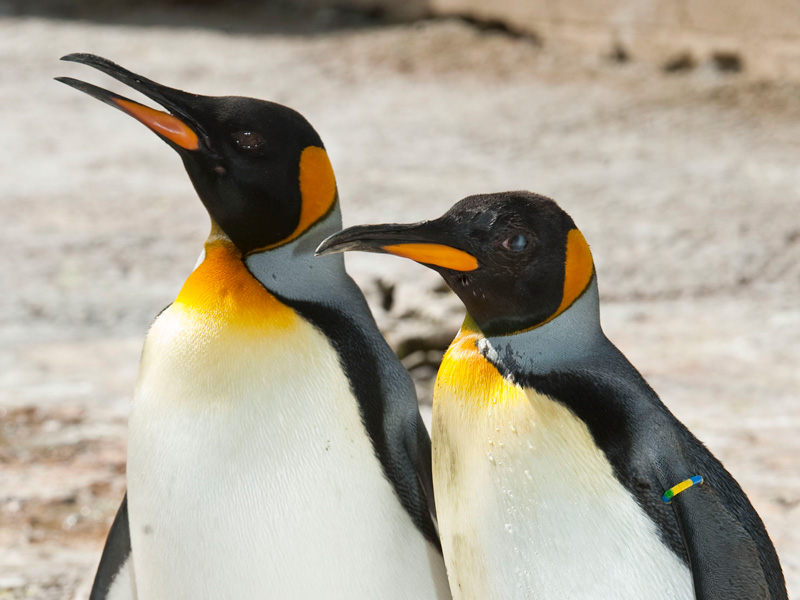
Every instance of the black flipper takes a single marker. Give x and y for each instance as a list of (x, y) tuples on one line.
[(387, 402), (418, 448), (116, 554), (724, 558), (712, 526)]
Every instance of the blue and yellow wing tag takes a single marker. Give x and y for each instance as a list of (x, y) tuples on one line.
[(683, 485)]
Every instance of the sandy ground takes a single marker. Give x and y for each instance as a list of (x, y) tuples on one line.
[(686, 186)]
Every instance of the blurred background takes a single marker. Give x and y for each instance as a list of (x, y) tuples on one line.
[(668, 129)]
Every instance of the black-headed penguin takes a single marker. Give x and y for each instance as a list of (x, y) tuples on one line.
[(558, 472), (275, 446)]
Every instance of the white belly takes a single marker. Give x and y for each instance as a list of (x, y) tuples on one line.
[(529, 507), (250, 475)]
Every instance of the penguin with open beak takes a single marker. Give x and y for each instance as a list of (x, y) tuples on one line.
[(275, 445), (558, 472)]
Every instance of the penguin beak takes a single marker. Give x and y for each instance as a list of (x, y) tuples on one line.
[(172, 126), (421, 242)]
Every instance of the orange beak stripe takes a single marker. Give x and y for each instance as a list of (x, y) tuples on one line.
[(162, 123), (435, 254)]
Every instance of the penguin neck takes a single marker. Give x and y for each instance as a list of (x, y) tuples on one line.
[(295, 274), (221, 290), (572, 336)]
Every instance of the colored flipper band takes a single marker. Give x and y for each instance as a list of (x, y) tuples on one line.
[(683, 485)]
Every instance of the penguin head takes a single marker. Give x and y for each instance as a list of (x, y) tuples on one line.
[(515, 259), (259, 168)]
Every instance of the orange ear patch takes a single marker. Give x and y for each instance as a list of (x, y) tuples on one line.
[(162, 123), (317, 187), (577, 270), (317, 192)]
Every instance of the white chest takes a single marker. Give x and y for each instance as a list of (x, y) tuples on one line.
[(251, 475), (529, 507)]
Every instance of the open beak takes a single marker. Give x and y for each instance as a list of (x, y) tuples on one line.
[(421, 242), (172, 126)]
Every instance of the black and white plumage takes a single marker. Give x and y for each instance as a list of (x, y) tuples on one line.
[(550, 451), (275, 443)]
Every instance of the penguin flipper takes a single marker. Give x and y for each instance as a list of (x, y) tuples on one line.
[(724, 558), (114, 578), (418, 448)]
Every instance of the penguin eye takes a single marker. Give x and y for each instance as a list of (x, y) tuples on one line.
[(248, 140), (516, 243)]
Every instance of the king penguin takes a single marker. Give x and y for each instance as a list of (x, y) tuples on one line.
[(275, 445), (554, 461)]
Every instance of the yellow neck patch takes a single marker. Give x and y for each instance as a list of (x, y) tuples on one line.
[(222, 290), (465, 374), (317, 192)]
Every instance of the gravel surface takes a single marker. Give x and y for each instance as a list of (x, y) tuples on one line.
[(686, 186)]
